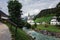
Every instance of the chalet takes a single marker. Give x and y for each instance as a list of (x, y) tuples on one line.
[(54, 21), (3, 16)]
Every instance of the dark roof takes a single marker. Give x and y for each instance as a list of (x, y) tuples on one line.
[(3, 14)]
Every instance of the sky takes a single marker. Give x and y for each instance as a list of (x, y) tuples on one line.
[(32, 7)]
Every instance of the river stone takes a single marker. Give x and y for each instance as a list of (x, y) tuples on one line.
[(49, 33), (45, 32), (58, 35)]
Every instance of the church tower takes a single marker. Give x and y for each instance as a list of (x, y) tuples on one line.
[(29, 16)]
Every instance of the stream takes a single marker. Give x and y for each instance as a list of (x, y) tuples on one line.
[(38, 36)]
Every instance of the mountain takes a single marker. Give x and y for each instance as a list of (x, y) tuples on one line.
[(53, 11)]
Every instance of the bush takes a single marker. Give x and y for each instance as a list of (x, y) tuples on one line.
[(46, 25), (20, 35), (27, 25), (33, 26), (58, 25)]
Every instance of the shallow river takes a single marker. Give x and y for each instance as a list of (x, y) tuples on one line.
[(38, 36)]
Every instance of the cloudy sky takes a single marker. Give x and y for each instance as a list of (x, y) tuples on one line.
[(30, 6)]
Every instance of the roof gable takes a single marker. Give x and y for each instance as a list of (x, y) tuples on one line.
[(3, 14)]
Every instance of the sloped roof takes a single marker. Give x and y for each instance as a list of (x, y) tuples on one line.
[(53, 20), (3, 14), (54, 17)]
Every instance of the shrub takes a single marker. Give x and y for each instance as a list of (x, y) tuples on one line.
[(27, 25), (46, 25)]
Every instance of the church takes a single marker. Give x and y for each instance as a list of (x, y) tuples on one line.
[(30, 19)]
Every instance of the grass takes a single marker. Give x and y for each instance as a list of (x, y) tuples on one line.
[(47, 19), (21, 35), (44, 19), (50, 28)]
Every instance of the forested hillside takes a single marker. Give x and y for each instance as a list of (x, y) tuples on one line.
[(51, 11)]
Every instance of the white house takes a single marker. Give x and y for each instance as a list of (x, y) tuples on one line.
[(31, 22), (43, 23), (54, 21), (38, 23)]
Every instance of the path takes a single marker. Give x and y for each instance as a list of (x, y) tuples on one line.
[(4, 32)]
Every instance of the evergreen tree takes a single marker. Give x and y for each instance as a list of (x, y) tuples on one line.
[(58, 11), (14, 9)]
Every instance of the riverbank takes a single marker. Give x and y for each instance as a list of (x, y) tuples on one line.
[(39, 36), (45, 32), (20, 34)]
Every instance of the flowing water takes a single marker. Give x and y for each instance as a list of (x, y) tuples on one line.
[(38, 36)]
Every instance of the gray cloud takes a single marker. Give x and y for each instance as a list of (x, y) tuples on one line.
[(31, 6)]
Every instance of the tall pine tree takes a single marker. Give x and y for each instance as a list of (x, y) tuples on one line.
[(14, 9)]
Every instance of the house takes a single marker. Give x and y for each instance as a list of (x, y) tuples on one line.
[(54, 21), (3, 16)]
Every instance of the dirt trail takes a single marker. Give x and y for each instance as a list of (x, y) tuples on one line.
[(4, 32)]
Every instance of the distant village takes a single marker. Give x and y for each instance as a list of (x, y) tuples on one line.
[(53, 21)]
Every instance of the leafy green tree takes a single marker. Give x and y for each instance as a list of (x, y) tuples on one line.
[(14, 9), (35, 22), (58, 5)]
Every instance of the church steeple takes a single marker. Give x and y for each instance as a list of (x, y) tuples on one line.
[(29, 16)]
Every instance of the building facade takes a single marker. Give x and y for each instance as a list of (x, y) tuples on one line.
[(3, 15)]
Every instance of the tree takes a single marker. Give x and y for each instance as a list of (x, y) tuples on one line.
[(35, 25), (14, 9), (58, 5), (58, 11)]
